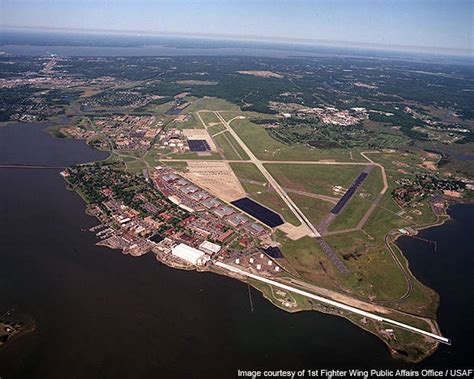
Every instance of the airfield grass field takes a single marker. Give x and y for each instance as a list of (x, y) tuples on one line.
[(230, 148), (267, 148), (228, 151), (373, 272), (209, 118), (215, 129), (360, 202), (314, 209), (178, 166), (135, 166), (309, 261), (211, 104), (316, 179), (192, 155), (279, 298)]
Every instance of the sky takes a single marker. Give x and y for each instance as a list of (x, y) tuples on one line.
[(432, 24)]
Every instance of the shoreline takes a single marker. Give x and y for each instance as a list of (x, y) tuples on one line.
[(371, 328)]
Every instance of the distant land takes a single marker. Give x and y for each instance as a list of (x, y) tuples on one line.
[(252, 45)]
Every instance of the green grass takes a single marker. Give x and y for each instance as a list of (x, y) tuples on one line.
[(160, 109), (224, 141), (178, 166), (302, 303), (273, 201), (248, 171), (383, 220), (267, 148), (192, 123), (135, 167), (360, 202), (237, 147), (127, 159), (209, 118), (317, 179), (216, 129), (315, 209), (309, 261), (152, 157), (189, 156), (212, 104), (373, 272), (389, 160)]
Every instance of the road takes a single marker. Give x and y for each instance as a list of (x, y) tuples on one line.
[(336, 163), (333, 303), (384, 175), (20, 166), (301, 217)]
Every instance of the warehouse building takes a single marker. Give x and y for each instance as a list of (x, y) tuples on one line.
[(210, 247), (189, 254)]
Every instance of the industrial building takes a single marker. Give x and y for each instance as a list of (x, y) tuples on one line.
[(210, 247), (189, 254)]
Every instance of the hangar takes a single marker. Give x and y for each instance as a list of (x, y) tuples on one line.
[(189, 254)]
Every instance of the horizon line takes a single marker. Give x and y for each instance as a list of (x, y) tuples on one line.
[(301, 41)]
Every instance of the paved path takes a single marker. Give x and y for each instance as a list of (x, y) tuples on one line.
[(329, 163), (329, 199), (20, 166), (333, 303)]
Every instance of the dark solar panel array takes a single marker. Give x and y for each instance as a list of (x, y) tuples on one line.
[(265, 215), (273, 252), (352, 189), (156, 238), (198, 145)]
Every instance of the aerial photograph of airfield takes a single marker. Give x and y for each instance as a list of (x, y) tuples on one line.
[(238, 184)]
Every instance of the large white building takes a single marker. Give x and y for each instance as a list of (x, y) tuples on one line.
[(189, 254), (209, 247)]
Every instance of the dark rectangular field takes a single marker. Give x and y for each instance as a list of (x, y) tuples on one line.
[(156, 238), (265, 215), (198, 145), (273, 252), (173, 111)]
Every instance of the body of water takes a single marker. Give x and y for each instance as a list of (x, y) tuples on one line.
[(450, 272), (101, 314)]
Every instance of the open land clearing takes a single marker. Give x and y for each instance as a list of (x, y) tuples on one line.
[(266, 148), (315, 209), (262, 74), (316, 179), (197, 82), (208, 119), (216, 177), (229, 146)]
